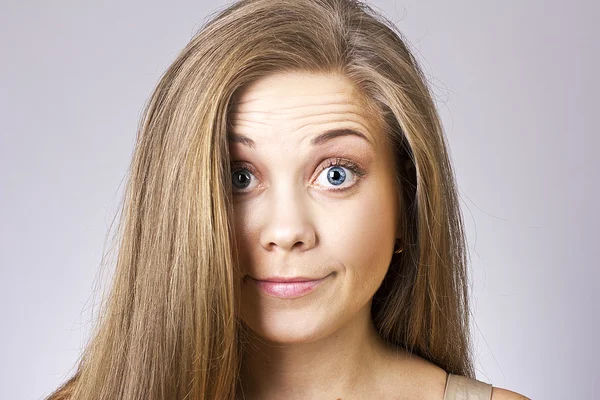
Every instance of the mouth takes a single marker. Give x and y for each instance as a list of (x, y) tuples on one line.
[(287, 288), (282, 279)]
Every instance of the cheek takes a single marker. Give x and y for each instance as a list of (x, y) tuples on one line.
[(365, 238), (242, 222)]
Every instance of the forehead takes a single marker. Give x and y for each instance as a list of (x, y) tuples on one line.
[(302, 84), (297, 95)]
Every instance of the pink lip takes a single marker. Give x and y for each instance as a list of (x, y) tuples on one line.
[(288, 288)]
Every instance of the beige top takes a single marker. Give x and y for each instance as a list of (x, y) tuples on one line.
[(460, 387)]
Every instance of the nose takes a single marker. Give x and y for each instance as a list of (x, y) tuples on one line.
[(287, 223)]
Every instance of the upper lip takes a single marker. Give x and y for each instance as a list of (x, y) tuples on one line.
[(282, 279)]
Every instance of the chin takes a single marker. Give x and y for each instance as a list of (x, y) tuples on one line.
[(288, 327)]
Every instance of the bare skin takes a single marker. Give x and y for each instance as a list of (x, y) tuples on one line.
[(353, 363), (290, 223)]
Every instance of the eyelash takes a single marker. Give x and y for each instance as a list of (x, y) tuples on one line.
[(333, 162)]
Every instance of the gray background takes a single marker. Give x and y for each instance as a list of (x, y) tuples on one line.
[(517, 86)]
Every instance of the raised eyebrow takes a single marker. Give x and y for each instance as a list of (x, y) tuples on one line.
[(316, 141), (333, 133), (237, 138)]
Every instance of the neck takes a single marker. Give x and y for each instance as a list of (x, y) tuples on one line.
[(344, 361)]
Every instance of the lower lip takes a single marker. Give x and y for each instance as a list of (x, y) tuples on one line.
[(288, 290)]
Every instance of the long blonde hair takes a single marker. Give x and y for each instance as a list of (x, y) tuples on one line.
[(168, 328)]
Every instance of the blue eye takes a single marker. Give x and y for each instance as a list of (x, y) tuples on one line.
[(337, 174), (337, 170)]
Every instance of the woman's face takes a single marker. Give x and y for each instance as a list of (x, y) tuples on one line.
[(312, 201)]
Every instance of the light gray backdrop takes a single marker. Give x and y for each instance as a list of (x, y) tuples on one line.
[(517, 84)]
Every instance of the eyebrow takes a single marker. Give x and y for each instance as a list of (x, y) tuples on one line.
[(316, 141)]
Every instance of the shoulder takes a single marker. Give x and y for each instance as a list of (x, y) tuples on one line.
[(464, 385), (504, 394)]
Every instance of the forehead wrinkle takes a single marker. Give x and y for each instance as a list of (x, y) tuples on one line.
[(257, 106), (348, 118), (264, 94), (283, 107), (249, 126), (238, 119), (364, 129), (323, 109), (299, 128), (317, 101), (352, 112), (304, 111)]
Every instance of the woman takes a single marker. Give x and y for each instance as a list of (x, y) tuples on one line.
[(291, 227)]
